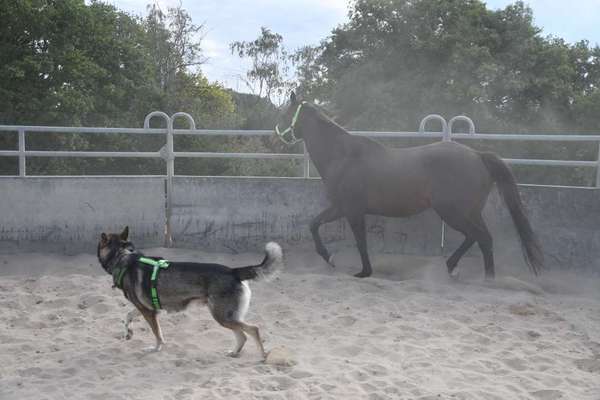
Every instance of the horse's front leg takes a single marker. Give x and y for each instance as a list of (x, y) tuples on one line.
[(329, 215), (357, 223)]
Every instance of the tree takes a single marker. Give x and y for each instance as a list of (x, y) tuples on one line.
[(175, 44), (68, 63), (270, 65), (398, 60)]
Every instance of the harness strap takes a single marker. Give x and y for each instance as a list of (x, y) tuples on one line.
[(156, 266)]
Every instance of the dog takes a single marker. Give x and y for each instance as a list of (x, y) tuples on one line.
[(151, 284)]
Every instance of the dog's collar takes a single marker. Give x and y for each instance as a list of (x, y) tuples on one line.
[(118, 266)]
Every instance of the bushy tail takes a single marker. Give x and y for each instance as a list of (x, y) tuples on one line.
[(268, 269), (507, 186)]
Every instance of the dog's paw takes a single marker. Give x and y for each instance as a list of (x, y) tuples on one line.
[(233, 354), (151, 349)]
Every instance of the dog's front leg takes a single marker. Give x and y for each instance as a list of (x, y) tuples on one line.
[(128, 319), (152, 319)]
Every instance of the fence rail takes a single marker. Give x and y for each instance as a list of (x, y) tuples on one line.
[(168, 154)]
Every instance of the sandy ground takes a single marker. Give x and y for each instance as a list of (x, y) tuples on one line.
[(407, 333)]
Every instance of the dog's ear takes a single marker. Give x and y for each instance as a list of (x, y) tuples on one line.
[(125, 234), (103, 238)]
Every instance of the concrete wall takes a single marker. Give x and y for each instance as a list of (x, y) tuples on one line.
[(67, 214), (565, 219), (239, 214), (243, 213)]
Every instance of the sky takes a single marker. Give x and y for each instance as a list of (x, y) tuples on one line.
[(307, 22)]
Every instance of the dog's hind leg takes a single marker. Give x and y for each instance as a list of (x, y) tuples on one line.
[(253, 331), (240, 339), (128, 319), (152, 319)]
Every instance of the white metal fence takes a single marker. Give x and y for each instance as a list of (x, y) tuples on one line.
[(168, 154)]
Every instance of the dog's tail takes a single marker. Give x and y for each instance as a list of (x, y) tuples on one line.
[(268, 269)]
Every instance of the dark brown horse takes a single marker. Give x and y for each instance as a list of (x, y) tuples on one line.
[(364, 177)]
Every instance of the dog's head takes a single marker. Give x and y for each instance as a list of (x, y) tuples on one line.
[(111, 245)]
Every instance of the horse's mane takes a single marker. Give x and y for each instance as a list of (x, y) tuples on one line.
[(356, 145), (320, 116)]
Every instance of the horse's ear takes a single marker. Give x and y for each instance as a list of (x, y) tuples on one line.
[(293, 99), (103, 237), (125, 234)]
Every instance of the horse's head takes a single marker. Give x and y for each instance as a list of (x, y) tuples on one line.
[(287, 127)]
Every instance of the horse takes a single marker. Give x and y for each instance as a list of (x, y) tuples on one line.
[(363, 177)]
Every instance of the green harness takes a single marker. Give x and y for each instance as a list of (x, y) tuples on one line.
[(156, 265)]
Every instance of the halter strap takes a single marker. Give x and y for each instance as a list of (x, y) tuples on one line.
[(290, 129)]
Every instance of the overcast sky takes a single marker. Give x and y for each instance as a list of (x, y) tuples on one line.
[(303, 22)]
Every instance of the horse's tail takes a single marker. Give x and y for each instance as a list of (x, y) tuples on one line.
[(507, 187)]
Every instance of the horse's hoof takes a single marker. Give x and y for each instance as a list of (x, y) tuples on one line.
[(454, 275), (330, 261), (363, 274)]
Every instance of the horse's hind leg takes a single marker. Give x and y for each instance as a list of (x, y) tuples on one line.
[(486, 245), (357, 223), (475, 230), (329, 215), (453, 260)]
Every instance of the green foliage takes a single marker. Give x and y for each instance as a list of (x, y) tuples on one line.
[(270, 64), (67, 63), (398, 60)]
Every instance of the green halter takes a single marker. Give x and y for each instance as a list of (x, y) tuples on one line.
[(156, 265), (290, 129)]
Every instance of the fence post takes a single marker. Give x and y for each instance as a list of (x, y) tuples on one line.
[(445, 131), (446, 138), (469, 121), (305, 162), (461, 118), (22, 164), (598, 168), (170, 158), (167, 155)]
